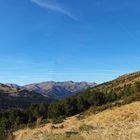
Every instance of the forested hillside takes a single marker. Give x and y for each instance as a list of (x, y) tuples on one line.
[(94, 99)]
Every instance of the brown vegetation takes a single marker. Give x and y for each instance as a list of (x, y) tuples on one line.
[(112, 124)]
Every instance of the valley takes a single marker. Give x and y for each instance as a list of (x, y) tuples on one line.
[(13, 96), (109, 110)]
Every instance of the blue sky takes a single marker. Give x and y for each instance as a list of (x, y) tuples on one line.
[(79, 40)]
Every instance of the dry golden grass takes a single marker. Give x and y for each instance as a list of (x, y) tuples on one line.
[(118, 123), (120, 82)]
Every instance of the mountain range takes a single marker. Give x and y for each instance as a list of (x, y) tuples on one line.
[(12, 95), (59, 90), (106, 111)]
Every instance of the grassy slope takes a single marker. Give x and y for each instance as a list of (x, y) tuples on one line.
[(120, 122), (119, 83), (116, 123)]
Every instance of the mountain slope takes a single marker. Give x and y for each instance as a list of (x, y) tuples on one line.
[(88, 103), (102, 119), (115, 124), (21, 99), (119, 83), (59, 90), (12, 95), (6, 88)]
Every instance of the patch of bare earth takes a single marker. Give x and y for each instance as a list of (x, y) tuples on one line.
[(119, 123)]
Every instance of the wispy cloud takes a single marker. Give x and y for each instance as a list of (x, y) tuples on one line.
[(53, 7)]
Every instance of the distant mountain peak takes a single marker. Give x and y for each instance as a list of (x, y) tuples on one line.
[(59, 90), (12, 85), (21, 96)]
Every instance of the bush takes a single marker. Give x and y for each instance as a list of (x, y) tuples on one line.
[(58, 120), (85, 127)]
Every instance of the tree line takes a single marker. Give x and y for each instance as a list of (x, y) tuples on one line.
[(11, 120)]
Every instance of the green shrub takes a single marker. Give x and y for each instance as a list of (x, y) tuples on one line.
[(85, 127), (58, 120)]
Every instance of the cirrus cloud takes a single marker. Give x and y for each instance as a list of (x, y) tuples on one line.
[(53, 7)]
